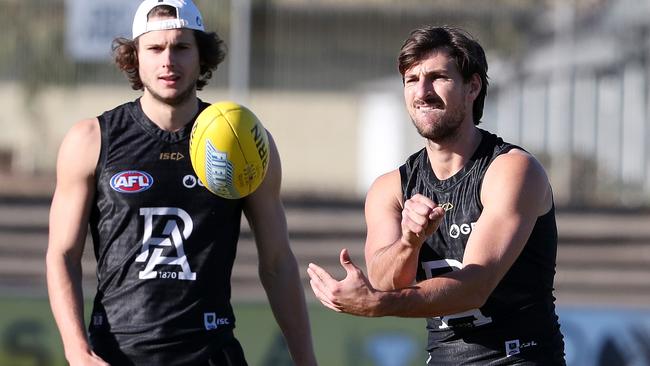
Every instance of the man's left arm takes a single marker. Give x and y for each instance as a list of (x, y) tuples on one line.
[(515, 192), (278, 269)]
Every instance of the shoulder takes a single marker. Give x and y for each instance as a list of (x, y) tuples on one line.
[(81, 145), (517, 175), (83, 132), (386, 190), (515, 163)]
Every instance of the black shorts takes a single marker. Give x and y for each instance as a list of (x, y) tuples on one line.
[(231, 354), (501, 346), (460, 352), (530, 336), (224, 350)]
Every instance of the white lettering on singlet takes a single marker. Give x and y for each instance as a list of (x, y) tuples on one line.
[(474, 317), (172, 236)]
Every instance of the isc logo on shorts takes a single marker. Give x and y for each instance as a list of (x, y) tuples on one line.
[(211, 321), (131, 181)]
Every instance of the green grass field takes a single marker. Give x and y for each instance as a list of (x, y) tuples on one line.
[(28, 336)]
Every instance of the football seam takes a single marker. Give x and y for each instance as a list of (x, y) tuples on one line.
[(199, 138)]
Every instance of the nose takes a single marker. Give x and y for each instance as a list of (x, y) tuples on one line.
[(424, 89), (168, 58)]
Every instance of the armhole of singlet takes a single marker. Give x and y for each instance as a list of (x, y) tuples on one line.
[(101, 161), (403, 175), (505, 150)]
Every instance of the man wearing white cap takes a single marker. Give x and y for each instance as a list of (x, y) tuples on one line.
[(164, 245)]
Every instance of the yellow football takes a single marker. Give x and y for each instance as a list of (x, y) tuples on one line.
[(229, 150)]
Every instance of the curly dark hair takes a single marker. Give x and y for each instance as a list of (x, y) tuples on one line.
[(466, 52), (212, 51)]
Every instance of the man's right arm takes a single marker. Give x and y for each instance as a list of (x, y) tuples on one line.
[(396, 231), (75, 188)]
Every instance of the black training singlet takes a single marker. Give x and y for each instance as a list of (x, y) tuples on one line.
[(519, 316), (164, 246)]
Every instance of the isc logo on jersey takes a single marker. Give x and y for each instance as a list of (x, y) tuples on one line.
[(131, 181)]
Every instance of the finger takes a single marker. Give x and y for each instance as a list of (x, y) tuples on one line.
[(345, 256), (437, 214), (417, 208), (424, 200), (322, 275), (347, 264), (320, 287), (415, 217), (322, 297), (412, 226), (320, 290), (313, 276)]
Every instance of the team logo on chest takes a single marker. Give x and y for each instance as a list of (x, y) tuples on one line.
[(131, 181), (167, 247)]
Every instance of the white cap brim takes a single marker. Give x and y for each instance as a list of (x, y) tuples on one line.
[(187, 16)]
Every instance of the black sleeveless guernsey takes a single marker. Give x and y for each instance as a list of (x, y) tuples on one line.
[(518, 321), (164, 246)]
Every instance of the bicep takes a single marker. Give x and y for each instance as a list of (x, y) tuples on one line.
[(514, 194), (264, 210), (74, 190), (383, 213)]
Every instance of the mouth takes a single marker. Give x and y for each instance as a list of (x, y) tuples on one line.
[(428, 107), (169, 79)]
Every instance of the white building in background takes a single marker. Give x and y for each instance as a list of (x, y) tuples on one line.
[(580, 102)]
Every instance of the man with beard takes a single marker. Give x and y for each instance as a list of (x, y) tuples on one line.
[(464, 232), (164, 245)]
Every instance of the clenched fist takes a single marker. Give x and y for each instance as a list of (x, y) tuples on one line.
[(420, 218)]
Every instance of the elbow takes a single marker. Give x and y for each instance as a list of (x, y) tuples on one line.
[(479, 295), (57, 262), (278, 267), (476, 300), (375, 280)]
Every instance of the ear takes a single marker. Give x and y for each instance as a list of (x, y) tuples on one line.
[(474, 87)]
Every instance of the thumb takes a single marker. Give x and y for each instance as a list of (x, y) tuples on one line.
[(346, 262)]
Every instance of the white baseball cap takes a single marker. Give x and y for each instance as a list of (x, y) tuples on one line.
[(187, 16)]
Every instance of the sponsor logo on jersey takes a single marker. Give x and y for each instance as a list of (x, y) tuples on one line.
[(131, 181), (447, 206), (456, 230), (175, 156), (191, 181)]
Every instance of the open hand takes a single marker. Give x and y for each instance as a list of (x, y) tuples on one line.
[(352, 295)]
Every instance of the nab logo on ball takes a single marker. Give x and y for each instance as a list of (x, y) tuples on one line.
[(131, 181), (229, 150), (218, 171)]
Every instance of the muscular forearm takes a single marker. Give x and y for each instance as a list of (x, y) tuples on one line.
[(393, 266), (285, 293), (451, 293)]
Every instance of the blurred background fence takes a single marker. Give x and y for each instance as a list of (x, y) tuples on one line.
[(569, 81)]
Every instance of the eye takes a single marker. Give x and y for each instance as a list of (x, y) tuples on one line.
[(410, 79), (183, 46)]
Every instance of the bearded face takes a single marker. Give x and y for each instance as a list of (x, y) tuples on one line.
[(437, 121), (436, 97)]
